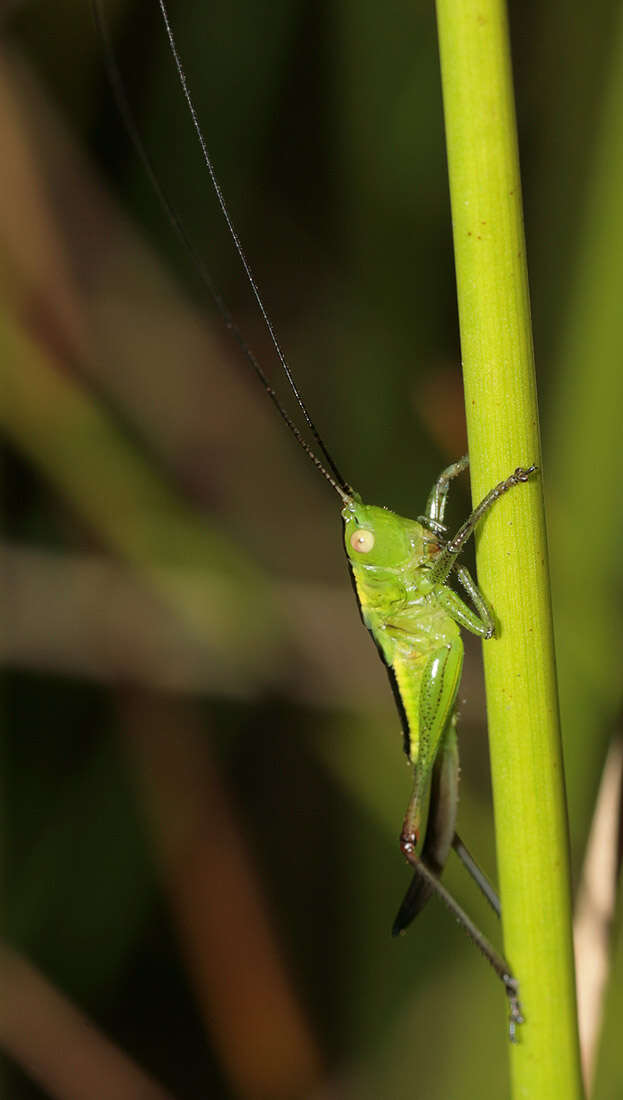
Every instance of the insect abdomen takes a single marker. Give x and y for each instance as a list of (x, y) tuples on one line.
[(428, 686)]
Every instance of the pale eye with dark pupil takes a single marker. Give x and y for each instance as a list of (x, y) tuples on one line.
[(362, 541)]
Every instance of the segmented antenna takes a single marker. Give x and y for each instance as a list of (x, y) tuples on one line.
[(340, 485)]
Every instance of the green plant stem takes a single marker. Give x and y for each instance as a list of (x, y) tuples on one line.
[(503, 431)]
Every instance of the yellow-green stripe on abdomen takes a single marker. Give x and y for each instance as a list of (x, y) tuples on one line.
[(428, 690)]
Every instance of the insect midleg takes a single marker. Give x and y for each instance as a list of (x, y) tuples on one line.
[(484, 611), (458, 610)]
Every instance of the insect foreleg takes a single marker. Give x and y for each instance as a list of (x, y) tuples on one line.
[(453, 548), (436, 503)]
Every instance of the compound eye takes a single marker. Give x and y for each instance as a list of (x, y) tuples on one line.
[(362, 541)]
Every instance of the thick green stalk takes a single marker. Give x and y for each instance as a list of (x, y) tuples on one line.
[(503, 430)]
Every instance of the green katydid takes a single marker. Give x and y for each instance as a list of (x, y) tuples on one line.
[(400, 570)]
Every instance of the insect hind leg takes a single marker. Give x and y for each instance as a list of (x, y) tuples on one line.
[(493, 957), (440, 832), (477, 874)]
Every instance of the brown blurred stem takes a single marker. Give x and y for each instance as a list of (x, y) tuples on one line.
[(245, 993), (58, 1046)]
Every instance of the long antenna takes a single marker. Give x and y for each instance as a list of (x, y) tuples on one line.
[(116, 81)]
